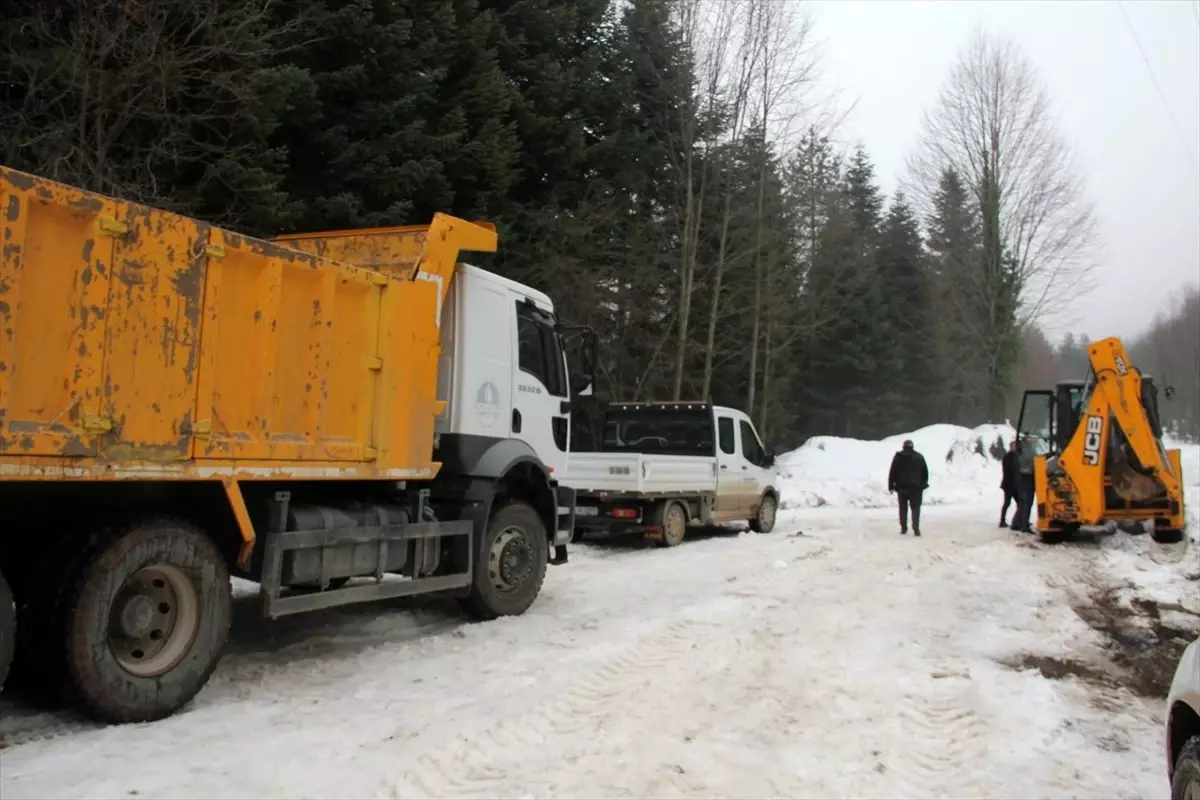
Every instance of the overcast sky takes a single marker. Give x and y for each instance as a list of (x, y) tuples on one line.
[(891, 56)]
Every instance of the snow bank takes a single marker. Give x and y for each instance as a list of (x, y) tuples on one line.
[(964, 467)]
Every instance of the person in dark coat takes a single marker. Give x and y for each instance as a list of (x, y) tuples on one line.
[(909, 478), (1026, 450), (1008, 482)]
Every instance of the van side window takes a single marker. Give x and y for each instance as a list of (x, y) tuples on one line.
[(539, 349), (751, 449), (725, 434)]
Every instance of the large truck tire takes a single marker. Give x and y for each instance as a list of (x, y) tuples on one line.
[(146, 621), (510, 565), (8, 629), (764, 520)]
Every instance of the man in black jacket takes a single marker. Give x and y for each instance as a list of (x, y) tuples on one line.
[(1009, 482), (909, 478)]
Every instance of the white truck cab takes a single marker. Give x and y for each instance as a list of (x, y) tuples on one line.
[(662, 466), (503, 368), (502, 373)]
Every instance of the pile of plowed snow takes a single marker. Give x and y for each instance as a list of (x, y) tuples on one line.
[(964, 467)]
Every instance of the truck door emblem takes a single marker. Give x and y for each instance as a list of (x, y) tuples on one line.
[(1091, 440), (487, 404)]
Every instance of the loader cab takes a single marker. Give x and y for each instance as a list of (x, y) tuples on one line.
[(1038, 427), (1054, 416), (1070, 398)]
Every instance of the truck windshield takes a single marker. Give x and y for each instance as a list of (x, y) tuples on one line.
[(659, 433)]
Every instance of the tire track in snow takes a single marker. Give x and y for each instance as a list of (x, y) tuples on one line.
[(944, 738), (20, 725), (475, 765), (479, 764)]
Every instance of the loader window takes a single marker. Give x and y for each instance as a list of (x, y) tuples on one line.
[(539, 348), (1036, 425)]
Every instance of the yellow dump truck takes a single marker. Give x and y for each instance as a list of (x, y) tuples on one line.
[(341, 417)]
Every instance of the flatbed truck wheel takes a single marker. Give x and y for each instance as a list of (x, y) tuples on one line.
[(146, 621), (8, 629), (674, 524), (764, 520), (511, 563)]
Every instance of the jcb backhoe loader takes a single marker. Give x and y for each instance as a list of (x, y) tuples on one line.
[(1099, 452)]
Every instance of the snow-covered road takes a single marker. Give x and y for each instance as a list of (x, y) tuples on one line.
[(831, 658)]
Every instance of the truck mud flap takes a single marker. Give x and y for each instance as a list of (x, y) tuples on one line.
[(565, 529), (279, 540)]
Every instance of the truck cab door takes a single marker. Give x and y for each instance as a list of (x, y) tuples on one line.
[(540, 407), (756, 472), (729, 469)]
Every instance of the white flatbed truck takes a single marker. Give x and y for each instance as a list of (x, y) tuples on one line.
[(661, 467)]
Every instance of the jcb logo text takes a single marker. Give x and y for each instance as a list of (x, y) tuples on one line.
[(1091, 440)]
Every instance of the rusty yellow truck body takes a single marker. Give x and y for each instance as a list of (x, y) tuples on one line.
[(156, 367)]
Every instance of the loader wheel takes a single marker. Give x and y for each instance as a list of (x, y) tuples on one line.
[(510, 565), (146, 621), (1057, 535), (1167, 535), (8, 629), (674, 524), (764, 520)]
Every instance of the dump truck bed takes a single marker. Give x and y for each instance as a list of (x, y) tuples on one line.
[(137, 343)]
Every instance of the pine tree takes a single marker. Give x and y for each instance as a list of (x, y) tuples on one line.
[(851, 390), (404, 111), (904, 277), (953, 238)]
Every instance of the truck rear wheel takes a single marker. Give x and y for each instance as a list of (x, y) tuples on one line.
[(674, 524), (764, 520), (8, 629), (147, 621), (511, 564)]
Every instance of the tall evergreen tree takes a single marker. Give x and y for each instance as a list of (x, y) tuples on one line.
[(403, 111), (954, 240), (904, 278)]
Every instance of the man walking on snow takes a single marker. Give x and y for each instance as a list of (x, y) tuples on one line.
[(909, 478), (1009, 483)]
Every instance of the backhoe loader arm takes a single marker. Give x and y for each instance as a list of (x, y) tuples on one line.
[(1116, 397)]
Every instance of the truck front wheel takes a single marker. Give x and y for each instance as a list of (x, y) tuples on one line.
[(8, 629), (511, 564), (146, 621), (764, 520)]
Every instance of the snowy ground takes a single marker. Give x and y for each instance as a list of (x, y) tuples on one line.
[(831, 658)]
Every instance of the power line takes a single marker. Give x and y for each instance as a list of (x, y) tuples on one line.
[(1162, 95)]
